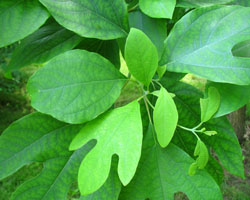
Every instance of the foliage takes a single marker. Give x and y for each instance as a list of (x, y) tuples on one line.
[(145, 135)]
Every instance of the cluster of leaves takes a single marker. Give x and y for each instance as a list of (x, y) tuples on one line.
[(89, 113)]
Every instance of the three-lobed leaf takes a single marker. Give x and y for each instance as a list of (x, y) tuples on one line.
[(210, 105), (119, 132), (165, 117), (141, 56), (19, 19), (158, 8), (201, 42), (91, 18), (75, 86)]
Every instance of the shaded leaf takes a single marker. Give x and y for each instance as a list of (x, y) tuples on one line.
[(242, 49), (91, 18), (201, 42), (75, 86), (44, 44), (40, 138), (165, 117), (119, 132), (20, 18), (162, 172), (141, 56)]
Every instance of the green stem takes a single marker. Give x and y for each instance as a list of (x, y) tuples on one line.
[(149, 103)]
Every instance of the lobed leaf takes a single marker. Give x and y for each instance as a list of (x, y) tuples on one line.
[(201, 42), (19, 19), (119, 132), (75, 86), (91, 18)]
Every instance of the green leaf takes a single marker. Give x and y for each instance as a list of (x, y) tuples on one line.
[(107, 48), (75, 86), (119, 132), (41, 138), (242, 49), (44, 44), (201, 42), (202, 153), (155, 29), (165, 118), (163, 172), (111, 188), (158, 8), (241, 2), (225, 143), (232, 97), (200, 3), (91, 18), (210, 133), (141, 56), (210, 105), (20, 18)]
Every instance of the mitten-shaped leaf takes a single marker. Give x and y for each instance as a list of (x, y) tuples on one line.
[(210, 105), (165, 117), (202, 153), (201, 43), (20, 18), (75, 86), (91, 18), (163, 172), (44, 44), (141, 56), (158, 8), (117, 132)]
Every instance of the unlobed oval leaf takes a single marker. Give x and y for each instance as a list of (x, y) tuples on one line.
[(165, 118), (201, 43), (155, 29), (20, 18), (75, 86), (118, 131), (141, 56), (210, 105), (91, 18), (158, 8), (232, 97)]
